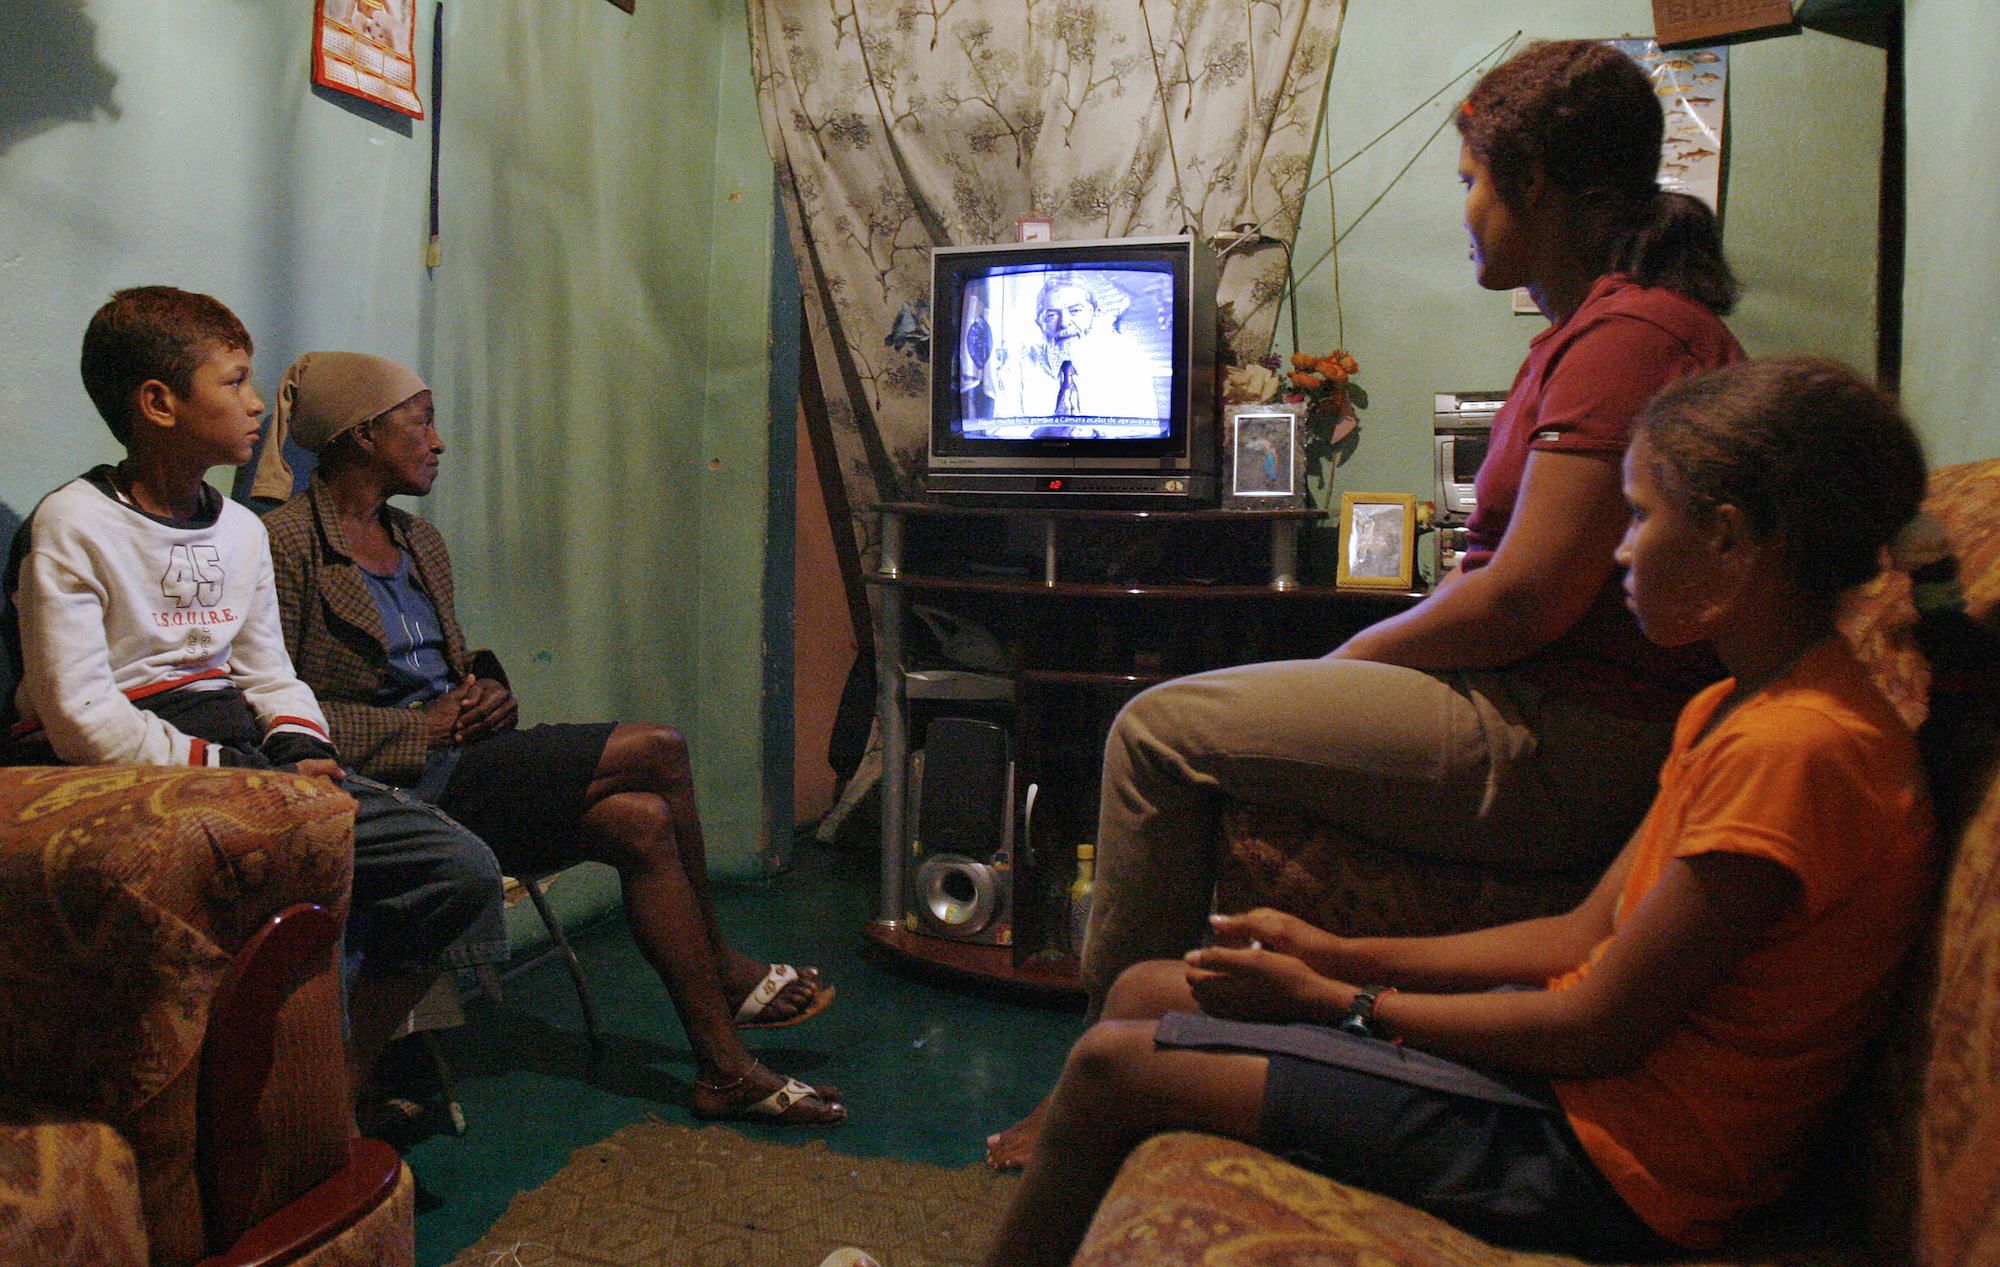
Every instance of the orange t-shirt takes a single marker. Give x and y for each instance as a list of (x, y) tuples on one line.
[(1818, 774)]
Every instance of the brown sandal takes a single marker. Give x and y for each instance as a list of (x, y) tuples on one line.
[(791, 1103)]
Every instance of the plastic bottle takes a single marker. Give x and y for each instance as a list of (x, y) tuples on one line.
[(1079, 896)]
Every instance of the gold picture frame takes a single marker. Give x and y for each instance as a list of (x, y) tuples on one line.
[(1378, 541)]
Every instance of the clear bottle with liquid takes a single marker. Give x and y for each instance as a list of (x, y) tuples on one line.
[(1079, 896)]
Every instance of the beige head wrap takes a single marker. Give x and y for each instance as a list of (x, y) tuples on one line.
[(320, 396)]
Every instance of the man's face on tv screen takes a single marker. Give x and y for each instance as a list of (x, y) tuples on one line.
[(1066, 313)]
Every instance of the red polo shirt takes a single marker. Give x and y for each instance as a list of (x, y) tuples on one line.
[(1583, 383)]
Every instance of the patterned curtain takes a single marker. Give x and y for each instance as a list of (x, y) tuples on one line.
[(900, 125)]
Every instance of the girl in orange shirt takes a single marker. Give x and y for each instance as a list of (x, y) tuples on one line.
[(1639, 1073)]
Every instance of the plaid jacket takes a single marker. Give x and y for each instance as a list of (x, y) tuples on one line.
[(334, 631)]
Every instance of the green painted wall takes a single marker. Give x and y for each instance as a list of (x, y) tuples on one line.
[(596, 335), (142, 142), (600, 322), (597, 331), (1951, 295), (1803, 133)]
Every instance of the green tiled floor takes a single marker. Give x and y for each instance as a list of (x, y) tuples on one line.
[(928, 1071)]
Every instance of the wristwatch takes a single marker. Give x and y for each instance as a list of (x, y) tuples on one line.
[(1360, 1018)]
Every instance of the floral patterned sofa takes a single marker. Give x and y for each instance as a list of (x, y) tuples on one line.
[(172, 1078), (1909, 1174)]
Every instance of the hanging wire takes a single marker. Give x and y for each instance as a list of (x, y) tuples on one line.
[(1334, 246), (1290, 294), (1255, 233), (1250, 45), (434, 249), (1333, 229), (1292, 276), (1338, 235), (1166, 119), (1255, 230)]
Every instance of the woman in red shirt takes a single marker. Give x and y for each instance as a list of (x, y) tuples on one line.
[(1515, 717)]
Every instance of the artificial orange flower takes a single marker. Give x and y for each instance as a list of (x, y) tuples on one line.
[(1305, 381), (1303, 360)]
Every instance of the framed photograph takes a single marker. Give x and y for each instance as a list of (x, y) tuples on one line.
[(1034, 229), (1266, 466), (1378, 541)]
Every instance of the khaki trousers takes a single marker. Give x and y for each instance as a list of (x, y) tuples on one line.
[(1478, 766)]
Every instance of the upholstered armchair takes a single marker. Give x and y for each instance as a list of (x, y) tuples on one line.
[(172, 1075)]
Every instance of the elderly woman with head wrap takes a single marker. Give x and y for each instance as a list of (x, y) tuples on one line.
[(366, 596)]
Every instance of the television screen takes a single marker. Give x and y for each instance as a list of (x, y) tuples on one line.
[(1055, 351), (1080, 368)]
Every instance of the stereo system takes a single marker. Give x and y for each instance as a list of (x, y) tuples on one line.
[(1461, 422), (960, 824)]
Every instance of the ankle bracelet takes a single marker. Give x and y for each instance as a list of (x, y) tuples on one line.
[(728, 1084)]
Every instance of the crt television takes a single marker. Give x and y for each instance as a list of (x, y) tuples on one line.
[(1064, 372)]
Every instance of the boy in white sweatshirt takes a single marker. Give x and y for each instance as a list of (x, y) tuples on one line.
[(144, 629)]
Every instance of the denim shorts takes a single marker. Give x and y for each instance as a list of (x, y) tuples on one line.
[(426, 889)]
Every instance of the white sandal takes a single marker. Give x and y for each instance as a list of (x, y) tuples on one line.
[(775, 980), (774, 1106)]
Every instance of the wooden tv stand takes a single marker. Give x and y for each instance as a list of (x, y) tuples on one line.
[(1089, 607)]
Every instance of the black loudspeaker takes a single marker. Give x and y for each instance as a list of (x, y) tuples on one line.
[(960, 879)]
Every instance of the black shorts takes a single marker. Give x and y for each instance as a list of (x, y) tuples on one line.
[(523, 790), (1496, 1158)]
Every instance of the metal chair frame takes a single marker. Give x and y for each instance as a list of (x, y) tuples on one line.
[(558, 946)]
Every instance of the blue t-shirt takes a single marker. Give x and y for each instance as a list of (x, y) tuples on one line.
[(418, 670), (414, 637)]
